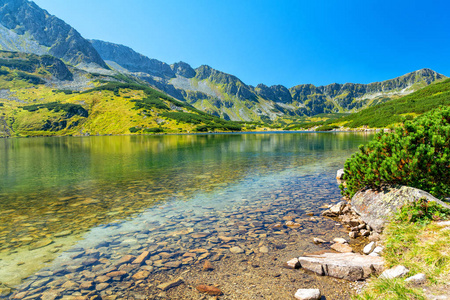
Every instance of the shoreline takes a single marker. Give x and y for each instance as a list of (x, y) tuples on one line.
[(369, 131)]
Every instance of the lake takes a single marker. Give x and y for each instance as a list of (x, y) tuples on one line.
[(74, 209)]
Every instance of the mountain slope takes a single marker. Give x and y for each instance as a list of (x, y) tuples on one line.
[(395, 111), (42, 96), (28, 28), (227, 96)]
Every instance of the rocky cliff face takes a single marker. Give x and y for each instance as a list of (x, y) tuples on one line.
[(23, 22), (131, 60)]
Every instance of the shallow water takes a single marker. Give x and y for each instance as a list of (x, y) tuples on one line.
[(78, 205)]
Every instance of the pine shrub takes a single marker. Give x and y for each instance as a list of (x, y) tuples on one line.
[(416, 154)]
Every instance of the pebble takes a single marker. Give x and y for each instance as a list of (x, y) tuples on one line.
[(293, 264), (170, 284), (318, 241), (236, 250), (369, 248), (101, 286), (207, 266), (264, 249), (417, 279), (353, 234), (141, 275), (396, 272), (209, 290)]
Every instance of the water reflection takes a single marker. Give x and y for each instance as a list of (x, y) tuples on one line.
[(59, 188)]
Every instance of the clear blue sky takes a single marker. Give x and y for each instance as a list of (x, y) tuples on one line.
[(275, 42)]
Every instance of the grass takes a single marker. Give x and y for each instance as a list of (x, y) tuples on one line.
[(420, 246), (391, 289)]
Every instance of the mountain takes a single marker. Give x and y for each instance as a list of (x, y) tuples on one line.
[(227, 96), (25, 27), (43, 96)]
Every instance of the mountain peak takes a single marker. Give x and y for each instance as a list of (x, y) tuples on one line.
[(35, 25)]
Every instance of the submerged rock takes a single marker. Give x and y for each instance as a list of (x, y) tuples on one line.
[(170, 284), (209, 290)]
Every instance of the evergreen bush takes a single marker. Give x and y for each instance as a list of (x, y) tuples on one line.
[(416, 154)]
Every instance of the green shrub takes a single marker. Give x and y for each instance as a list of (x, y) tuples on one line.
[(134, 129), (422, 212), (416, 155), (326, 127), (69, 108), (153, 130)]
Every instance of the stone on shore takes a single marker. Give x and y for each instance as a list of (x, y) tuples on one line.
[(396, 272), (340, 174), (308, 294), (170, 284), (417, 279), (349, 266), (369, 248)]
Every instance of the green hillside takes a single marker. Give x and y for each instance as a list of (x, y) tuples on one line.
[(385, 114), (396, 110), (34, 102)]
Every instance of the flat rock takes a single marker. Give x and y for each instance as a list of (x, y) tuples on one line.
[(141, 258), (293, 264), (340, 240), (63, 233), (376, 207), (126, 259), (349, 266), (343, 248), (396, 272), (101, 286), (42, 243), (264, 249), (50, 295), (141, 275), (236, 250), (170, 284), (308, 294), (209, 290), (172, 264)]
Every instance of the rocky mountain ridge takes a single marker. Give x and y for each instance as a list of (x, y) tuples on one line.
[(26, 27), (227, 96)]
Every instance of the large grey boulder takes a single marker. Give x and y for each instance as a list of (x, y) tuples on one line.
[(349, 266), (376, 207)]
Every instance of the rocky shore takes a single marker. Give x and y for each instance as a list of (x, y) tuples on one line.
[(240, 250)]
